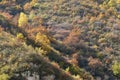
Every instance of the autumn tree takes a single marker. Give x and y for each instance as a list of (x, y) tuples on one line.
[(27, 6), (116, 68), (73, 39), (23, 20), (4, 77), (43, 40)]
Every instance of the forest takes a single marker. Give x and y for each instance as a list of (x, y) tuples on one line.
[(59, 39)]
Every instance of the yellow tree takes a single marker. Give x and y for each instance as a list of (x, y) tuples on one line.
[(44, 41), (23, 20)]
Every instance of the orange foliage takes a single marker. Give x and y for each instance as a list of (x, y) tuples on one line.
[(108, 50), (36, 30), (1, 29), (55, 7), (6, 15), (94, 62), (27, 6), (32, 31), (38, 20), (73, 36)]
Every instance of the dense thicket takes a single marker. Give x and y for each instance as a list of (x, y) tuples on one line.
[(80, 39)]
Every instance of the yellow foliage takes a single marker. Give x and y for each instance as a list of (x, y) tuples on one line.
[(112, 3), (101, 40), (77, 77), (43, 39), (94, 46), (118, 16), (101, 15), (118, 1), (23, 20), (32, 3), (20, 36), (4, 77), (67, 69), (18, 7)]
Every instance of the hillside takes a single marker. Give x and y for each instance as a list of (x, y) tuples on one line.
[(60, 39)]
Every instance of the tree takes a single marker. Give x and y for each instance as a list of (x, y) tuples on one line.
[(4, 77), (27, 6), (73, 38), (116, 68), (23, 20), (42, 39)]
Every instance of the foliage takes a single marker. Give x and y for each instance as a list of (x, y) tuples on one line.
[(43, 39), (23, 20), (62, 29), (4, 77), (32, 3), (73, 39), (116, 69), (20, 36), (27, 6)]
